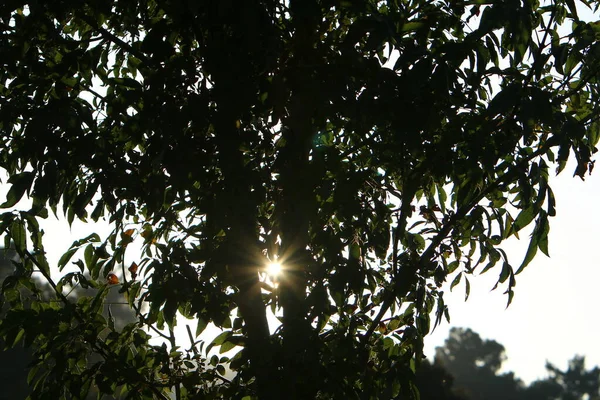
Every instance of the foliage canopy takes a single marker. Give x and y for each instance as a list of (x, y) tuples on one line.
[(375, 148)]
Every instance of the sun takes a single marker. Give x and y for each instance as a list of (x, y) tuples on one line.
[(274, 268)]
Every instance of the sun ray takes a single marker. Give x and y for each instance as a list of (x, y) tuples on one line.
[(274, 269)]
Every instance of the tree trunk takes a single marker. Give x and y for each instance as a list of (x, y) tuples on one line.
[(297, 205), (230, 43)]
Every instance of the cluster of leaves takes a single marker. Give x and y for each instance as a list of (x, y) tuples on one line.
[(222, 134), (31, 364)]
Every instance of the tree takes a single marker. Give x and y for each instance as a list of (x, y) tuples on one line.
[(468, 366), (474, 364), (543, 390), (435, 382), (374, 148), (576, 383)]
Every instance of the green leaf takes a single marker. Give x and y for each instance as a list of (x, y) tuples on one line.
[(523, 219), (169, 312), (456, 281), (221, 338), (504, 101), (20, 184), (505, 273), (18, 235), (452, 267), (412, 26), (542, 234), (531, 249), (66, 257), (354, 251), (89, 256), (551, 203), (201, 326), (225, 347), (79, 264), (18, 337)]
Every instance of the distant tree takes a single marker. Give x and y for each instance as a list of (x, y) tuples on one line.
[(436, 383), (474, 363), (546, 389), (377, 148), (468, 366), (576, 383)]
